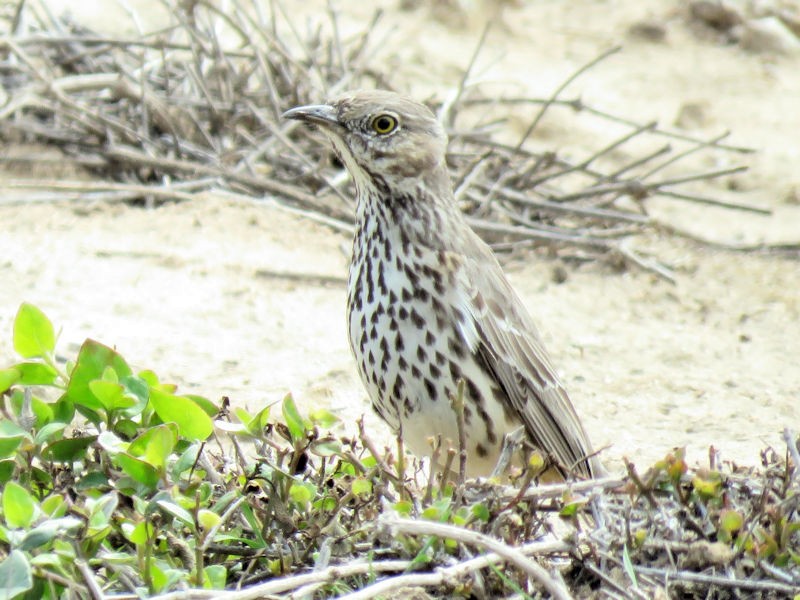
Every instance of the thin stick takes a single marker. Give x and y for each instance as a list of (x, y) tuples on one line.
[(715, 202), (473, 538), (563, 208), (444, 575), (790, 438), (646, 264), (578, 105), (481, 225), (554, 96), (293, 582), (446, 113), (95, 591), (668, 575)]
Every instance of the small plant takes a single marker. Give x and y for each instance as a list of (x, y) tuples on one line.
[(109, 478), (106, 475)]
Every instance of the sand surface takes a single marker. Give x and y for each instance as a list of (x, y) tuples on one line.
[(246, 301)]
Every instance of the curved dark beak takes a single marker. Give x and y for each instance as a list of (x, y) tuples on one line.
[(318, 114)]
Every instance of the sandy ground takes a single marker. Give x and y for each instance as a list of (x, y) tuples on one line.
[(247, 301)]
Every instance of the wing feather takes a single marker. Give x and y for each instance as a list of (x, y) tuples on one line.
[(507, 343)]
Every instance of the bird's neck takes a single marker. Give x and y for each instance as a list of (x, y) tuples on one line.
[(414, 213)]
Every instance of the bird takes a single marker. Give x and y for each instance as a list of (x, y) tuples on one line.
[(429, 308)]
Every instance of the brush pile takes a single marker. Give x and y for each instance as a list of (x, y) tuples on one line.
[(196, 106)]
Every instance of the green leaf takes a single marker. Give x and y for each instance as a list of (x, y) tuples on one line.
[(47, 560), (47, 531), (323, 418), (8, 377), (42, 411), (111, 443), (55, 506), (63, 410), (111, 395), (302, 493), (361, 486), (36, 373), (138, 470), (102, 510), (6, 470), (93, 358), (254, 524), (158, 577), (186, 460), (41, 477), (33, 332), (628, 565), (730, 520), (570, 509), (404, 508), (326, 447), (15, 575), (155, 444), (178, 512), (254, 424), (48, 432), (19, 507), (707, 488), (216, 577), (127, 428), (137, 388), (140, 533), (68, 450), (481, 512), (294, 421), (94, 480), (11, 436), (208, 519), (259, 422), (191, 419), (149, 377), (211, 409)]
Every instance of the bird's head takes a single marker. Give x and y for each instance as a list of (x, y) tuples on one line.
[(386, 141)]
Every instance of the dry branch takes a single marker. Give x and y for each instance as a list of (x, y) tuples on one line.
[(188, 103)]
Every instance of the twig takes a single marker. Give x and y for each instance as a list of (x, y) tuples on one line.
[(790, 439), (512, 555), (668, 576), (578, 105), (454, 573), (292, 582), (646, 264), (446, 112), (565, 208), (481, 225), (715, 202), (95, 590), (554, 96)]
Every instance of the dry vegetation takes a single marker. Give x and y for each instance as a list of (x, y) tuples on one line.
[(197, 107)]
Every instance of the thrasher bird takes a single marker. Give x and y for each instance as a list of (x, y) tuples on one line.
[(428, 304)]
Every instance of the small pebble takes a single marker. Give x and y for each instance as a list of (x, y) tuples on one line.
[(692, 115), (718, 15), (648, 30)]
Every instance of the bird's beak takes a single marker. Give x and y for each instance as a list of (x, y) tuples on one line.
[(318, 114)]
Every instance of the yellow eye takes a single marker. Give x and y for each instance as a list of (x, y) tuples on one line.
[(383, 124)]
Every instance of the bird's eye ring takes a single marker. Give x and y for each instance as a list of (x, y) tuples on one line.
[(384, 124)]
